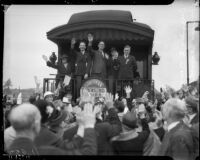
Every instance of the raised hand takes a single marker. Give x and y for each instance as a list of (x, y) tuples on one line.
[(107, 56), (87, 117), (90, 37), (86, 76), (128, 89), (109, 100), (116, 96)]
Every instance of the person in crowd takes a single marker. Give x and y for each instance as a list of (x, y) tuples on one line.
[(48, 96), (192, 111), (27, 126), (99, 59), (178, 141), (129, 141), (25, 120), (67, 107), (82, 63), (113, 69), (128, 64), (47, 137), (105, 129), (119, 107), (57, 122)]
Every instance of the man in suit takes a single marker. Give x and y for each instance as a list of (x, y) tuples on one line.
[(113, 69), (99, 59), (64, 67), (82, 63), (128, 64), (178, 140), (191, 104)]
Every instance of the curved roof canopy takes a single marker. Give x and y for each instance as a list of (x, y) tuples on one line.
[(104, 25)]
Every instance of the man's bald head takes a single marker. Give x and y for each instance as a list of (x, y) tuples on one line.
[(24, 117)]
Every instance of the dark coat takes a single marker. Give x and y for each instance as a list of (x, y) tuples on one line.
[(131, 146), (104, 130), (127, 67), (25, 146), (113, 67), (48, 138), (82, 62), (178, 143), (62, 71), (99, 63)]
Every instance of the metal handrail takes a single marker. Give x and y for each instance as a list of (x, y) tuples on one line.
[(139, 83)]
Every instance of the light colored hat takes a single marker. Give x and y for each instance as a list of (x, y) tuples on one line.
[(65, 100), (48, 93)]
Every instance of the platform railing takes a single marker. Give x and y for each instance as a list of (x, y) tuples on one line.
[(139, 86)]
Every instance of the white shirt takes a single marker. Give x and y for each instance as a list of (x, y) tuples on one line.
[(172, 125), (83, 52), (65, 65)]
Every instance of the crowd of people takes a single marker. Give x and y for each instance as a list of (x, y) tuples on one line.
[(111, 125)]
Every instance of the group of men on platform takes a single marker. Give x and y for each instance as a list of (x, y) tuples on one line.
[(96, 63)]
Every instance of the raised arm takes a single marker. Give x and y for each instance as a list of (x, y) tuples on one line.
[(89, 48), (55, 66)]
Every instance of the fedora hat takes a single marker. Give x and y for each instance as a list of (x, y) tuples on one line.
[(57, 118), (129, 119)]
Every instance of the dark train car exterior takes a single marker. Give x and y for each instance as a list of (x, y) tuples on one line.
[(117, 29)]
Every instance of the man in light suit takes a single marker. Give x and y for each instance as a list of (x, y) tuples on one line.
[(99, 58)]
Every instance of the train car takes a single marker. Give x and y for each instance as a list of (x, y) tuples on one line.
[(117, 29)]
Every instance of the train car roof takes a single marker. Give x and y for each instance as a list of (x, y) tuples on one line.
[(119, 24)]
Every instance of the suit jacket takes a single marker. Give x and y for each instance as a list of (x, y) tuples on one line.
[(178, 143), (127, 67), (127, 144), (62, 71), (113, 67), (82, 62), (99, 63), (25, 146)]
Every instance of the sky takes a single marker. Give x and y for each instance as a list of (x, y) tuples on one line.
[(25, 39)]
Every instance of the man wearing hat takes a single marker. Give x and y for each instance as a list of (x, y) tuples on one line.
[(129, 141), (57, 122), (64, 67), (191, 105)]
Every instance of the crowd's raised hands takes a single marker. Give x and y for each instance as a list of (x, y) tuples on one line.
[(109, 100)]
